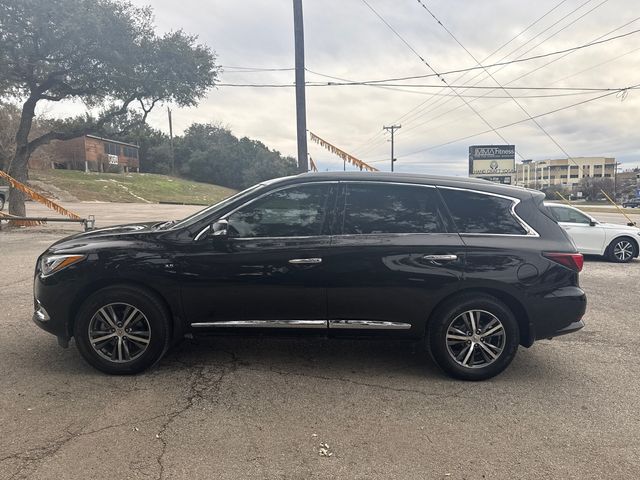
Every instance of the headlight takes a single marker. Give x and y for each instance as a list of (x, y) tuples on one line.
[(51, 264)]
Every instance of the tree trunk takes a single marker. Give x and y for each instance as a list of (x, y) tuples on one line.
[(18, 167), (19, 171)]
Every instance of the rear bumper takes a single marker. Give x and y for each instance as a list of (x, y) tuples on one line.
[(558, 313)]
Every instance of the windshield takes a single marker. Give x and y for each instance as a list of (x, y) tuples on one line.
[(214, 208)]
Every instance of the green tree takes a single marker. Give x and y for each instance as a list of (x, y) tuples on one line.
[(592, 188), (104, 54), (211, 153)]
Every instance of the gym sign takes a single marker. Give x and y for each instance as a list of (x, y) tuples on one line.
[(496, 163)]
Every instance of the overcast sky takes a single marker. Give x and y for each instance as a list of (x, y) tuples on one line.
[(345, 39)]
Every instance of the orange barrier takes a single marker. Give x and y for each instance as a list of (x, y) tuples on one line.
[(341, 153), (35, 196)]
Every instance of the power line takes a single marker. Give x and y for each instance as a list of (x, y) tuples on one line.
[(621, 91), (455, 119), (538, 124), (478, 74), (498, 64), (358, 84), (422, 59), (459, 77), (492, 89), (429, 104)]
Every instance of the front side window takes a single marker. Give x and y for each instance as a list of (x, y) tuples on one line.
[(292, 212), (569, 215), (379, 208), (475, 212)]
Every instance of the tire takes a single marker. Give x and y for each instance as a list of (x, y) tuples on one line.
[(115, 351), (1, 202), (622, 250), (452, 354)]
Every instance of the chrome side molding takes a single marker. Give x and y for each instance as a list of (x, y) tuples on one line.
[(339, 324), (369, 325), (263, 324)]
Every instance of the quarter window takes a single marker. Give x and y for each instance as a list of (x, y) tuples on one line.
[(371, 209), (480, 213), (293, 212)]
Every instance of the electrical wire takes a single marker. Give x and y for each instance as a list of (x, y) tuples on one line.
[(550, 112), (416, 126), (428, 105), (426, 111)]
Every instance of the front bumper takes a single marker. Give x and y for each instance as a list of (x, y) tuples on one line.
[(51, 304)]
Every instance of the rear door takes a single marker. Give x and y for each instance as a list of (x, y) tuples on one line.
[(589, 238), (393, 257)]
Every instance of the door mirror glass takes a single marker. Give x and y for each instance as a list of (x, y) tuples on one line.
[(220, 229)]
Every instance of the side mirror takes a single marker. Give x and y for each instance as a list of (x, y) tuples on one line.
[(220, 228), (593, 223)]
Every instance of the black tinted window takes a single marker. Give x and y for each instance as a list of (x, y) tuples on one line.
[(390, 209), (293, 212), (479, 213)]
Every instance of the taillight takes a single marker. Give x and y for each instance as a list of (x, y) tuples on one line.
[(574, 261)]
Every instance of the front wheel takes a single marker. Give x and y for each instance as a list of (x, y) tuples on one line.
[(122, 330), (473, 337), (622, 250)]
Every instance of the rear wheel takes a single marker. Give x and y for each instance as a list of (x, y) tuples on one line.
[(622, 250), (122, 330), (473, 337)]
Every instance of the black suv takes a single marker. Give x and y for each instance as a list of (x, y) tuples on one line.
[(467, 268)]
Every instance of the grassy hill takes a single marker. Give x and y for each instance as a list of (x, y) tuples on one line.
[(128, 187)]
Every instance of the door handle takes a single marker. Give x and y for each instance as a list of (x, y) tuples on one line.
[(440, 258), (305, 261)]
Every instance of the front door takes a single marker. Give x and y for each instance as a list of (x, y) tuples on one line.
[(588, 236), (393, 259), (269, 271)]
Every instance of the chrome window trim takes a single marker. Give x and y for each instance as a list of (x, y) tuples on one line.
[(263, 324), (531, 232), (284, 187), (368, 325), (382, 182)]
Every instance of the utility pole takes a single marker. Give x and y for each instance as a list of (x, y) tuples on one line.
[(173, 158), (301, 109), (392, 129)]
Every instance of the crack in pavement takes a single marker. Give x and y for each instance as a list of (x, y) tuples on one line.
[(34, 455), (196, 390), (457, 394)]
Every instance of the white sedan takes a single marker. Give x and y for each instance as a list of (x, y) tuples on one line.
[(619, 243)]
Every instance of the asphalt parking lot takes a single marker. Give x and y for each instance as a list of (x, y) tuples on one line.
[(260, 408)]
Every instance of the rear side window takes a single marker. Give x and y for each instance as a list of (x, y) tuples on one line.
[(380, 208), (480, 213)]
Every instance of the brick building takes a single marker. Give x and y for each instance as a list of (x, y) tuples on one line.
[(96, 154)]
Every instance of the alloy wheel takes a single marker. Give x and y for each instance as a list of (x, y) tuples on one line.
[(119, 332), (623, 250), (475, 339)]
